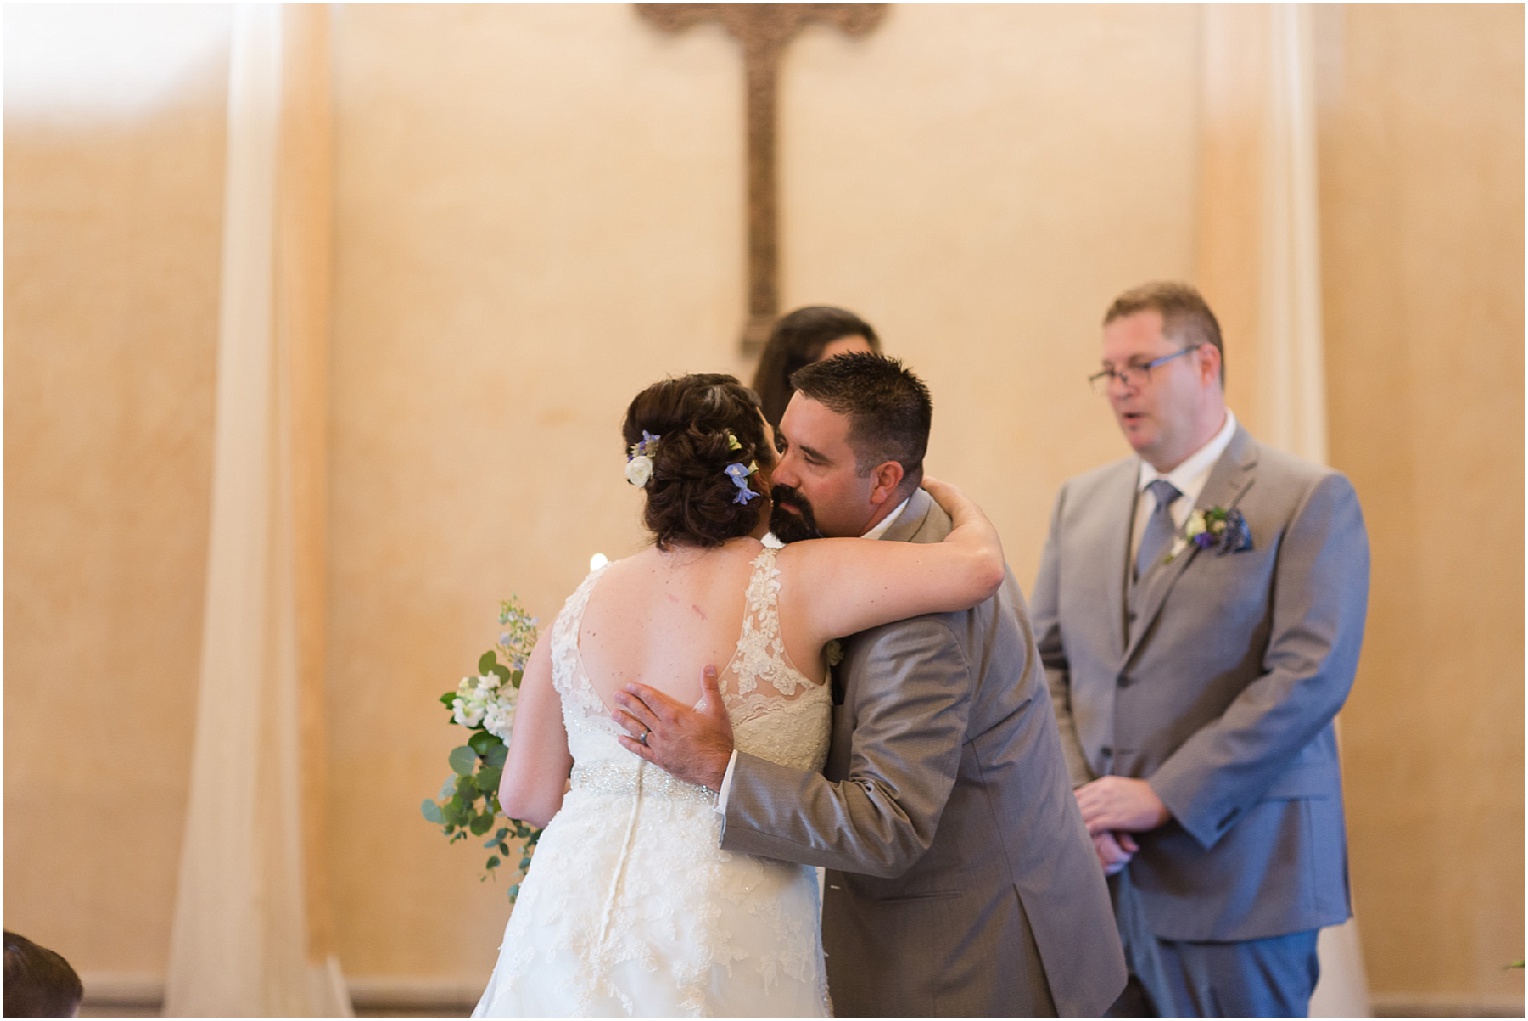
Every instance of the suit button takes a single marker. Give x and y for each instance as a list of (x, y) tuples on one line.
[(1106, 751)]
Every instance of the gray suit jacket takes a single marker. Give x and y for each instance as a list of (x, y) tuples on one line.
[(1222, 690), (961, 880)]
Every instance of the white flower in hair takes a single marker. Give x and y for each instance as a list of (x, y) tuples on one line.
[(639, 463), (639, 469)]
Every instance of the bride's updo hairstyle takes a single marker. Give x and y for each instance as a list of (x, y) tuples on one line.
[(691, 500)]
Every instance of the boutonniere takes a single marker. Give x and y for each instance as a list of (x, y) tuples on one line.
[(1224, 531), (833, 653)]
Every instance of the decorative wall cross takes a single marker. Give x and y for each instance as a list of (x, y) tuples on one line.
[(764, 30)]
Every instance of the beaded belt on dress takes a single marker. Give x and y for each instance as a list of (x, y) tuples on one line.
[(609, 778)]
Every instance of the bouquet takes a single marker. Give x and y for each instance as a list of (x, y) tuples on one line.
[(468, 803)]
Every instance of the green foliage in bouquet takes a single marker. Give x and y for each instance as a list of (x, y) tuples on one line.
[(468, 803)]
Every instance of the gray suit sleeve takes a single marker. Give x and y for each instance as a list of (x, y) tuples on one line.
[(912, 699), (1319, 599), (1045, 614)]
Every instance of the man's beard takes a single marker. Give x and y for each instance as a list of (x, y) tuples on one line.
[(792, 525)]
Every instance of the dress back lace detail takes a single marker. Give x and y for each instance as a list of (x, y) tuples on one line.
[(631, 907)]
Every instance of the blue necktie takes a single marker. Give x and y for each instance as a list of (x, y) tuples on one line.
[(1158, 537)]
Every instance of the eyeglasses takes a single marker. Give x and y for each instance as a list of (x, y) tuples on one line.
[(1134, 375)]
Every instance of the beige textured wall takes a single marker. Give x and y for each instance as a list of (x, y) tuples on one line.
[(113, 218), (978, 181), (1422, 210), (538, 210)]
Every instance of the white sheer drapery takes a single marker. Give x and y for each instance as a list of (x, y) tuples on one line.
[(250, 934), (1260, 266)]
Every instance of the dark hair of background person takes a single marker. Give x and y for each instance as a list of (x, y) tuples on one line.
[(691, 501), (38, 982), (1186, 316), (889, 409), (797, 341)]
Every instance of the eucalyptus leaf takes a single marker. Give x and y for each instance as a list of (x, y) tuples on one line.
[(454, 813), (502, 671), (448, 698), (497, 754), (493, 862), (486, 662), (463, 760), (432, 812), (480, 825), (483, 742), (488, 778)]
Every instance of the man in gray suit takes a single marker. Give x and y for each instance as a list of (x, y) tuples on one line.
[(961, 881), (1199, 611)]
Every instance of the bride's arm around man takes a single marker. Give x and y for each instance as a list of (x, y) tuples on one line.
[(961, 880)]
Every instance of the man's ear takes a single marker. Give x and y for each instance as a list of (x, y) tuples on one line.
[(886, 478), (1208, 357)]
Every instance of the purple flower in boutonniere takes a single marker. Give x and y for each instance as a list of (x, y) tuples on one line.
[(1224, 531)]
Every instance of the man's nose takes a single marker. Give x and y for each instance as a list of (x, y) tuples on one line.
[(785, 471)]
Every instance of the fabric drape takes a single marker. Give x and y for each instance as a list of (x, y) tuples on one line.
[(250, 934)]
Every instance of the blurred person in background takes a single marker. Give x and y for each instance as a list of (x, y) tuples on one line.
[(809, 334)]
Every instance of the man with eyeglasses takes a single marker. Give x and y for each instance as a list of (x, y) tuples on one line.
[(1199, 610)]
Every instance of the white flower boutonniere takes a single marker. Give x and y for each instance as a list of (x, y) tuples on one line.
[(1224, 531)]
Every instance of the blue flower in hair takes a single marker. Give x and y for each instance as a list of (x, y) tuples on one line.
[(738, 472)]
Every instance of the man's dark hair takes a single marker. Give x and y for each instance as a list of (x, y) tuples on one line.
[(38, 982), (797, 341), (889, 409), (1186, 316)]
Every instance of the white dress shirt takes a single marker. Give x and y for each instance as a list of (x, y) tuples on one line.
[(1189, 477)]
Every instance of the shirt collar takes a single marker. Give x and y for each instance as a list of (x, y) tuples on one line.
[(885, 523)]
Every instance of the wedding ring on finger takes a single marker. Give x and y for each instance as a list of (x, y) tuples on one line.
[(643, 738)]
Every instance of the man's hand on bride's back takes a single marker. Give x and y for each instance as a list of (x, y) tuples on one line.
[(694, 744)]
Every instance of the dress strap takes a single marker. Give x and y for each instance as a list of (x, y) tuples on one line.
[(760, 659), (565, 634)]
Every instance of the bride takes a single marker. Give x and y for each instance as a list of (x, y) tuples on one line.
[(630, 907)]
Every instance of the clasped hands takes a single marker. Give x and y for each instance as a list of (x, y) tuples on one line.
[(692, 743), (1113, 808)]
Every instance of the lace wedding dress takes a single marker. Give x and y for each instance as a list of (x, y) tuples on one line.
[(630, 906)]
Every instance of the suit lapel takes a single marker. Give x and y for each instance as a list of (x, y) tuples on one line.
[(1228, 481), (1114, 545)]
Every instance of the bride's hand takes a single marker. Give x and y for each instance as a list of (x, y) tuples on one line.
[(956, 504), (966, 517)]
